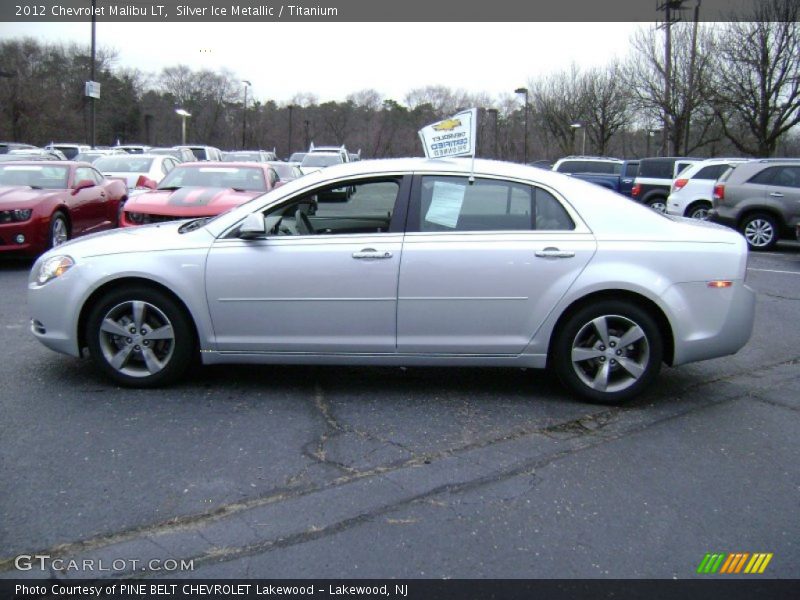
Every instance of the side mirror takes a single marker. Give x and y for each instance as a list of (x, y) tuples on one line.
[(252, 227), (82, 185), (145, 182)]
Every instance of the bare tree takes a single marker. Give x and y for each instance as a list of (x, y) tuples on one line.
[(645, 78), (606, 105), (558, 101), (755, 91)]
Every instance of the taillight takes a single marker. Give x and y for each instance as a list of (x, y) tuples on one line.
[(719, 192), (679, 183), (636, 190)]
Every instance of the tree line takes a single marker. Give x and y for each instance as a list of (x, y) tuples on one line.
[(728, 89)]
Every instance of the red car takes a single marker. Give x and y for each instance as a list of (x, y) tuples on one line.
[(45, 203), (200, 189)]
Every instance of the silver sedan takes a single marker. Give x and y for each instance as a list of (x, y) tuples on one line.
[(424, 262)]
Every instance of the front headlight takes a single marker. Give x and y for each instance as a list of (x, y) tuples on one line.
[(15, 215), (53, 267)]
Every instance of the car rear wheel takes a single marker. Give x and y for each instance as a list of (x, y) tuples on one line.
[(760, 230), (140, 337), (59, 229), (658, 204), (608, 352), (699, 211)]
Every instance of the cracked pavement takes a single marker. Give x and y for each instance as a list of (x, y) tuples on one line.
[(286, 471)]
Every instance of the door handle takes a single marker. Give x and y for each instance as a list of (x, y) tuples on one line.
[(554, 253), (372, 253), (776, 194)]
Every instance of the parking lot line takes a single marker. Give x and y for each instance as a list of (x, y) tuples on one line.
[(774, 271)]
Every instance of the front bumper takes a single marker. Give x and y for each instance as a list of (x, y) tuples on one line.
[(31, 230), (54, 321)]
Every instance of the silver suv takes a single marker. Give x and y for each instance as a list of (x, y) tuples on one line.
[(761, 199)]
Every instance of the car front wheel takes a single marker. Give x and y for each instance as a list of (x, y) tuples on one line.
[(140, 337), (59, 229), (608, 352)]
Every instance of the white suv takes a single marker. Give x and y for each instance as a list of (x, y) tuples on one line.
[(691, 190)]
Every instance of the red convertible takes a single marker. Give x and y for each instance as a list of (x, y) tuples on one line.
[(44, 204), (200, 189)]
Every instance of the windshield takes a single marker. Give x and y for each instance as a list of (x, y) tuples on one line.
[(241, 156), (36, 176), (321, 160), (250, 179), (123, 164)]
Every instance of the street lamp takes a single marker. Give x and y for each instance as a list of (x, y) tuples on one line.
[(525, 145), (184, 114), (583, 132), (247, 84), (650, 133)]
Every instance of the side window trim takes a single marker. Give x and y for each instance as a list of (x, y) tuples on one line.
[(415, 201), (399, 215)]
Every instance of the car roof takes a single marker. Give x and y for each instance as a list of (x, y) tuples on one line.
[(224, 164)]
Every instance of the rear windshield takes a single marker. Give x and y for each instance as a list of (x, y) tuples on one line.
[(590, 166), (321, 160), (659, 169)]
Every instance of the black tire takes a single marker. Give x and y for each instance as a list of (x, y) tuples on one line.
[(608, 361), (760, 230), (58, 232), (699, 210), (658, 204), (149, 354)]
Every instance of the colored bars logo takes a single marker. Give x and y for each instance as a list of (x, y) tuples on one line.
[(734, 563)]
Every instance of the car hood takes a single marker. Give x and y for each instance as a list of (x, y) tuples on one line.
[(159, 237), (188, 201), (21, 196)]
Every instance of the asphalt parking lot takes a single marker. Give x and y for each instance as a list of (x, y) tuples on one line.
[(288, 472)]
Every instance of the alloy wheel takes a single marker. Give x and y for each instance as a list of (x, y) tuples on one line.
[(759, 232), (610, 353), (136, 338)]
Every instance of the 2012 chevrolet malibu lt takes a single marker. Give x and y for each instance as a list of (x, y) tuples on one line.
[(422, 262)]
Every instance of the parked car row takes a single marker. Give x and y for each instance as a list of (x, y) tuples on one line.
[(758, 197), (44, 204)]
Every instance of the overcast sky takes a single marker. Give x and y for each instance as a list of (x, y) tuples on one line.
[(332, 60)]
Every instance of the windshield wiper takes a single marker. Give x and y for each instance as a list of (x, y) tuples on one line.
[(170, 188)]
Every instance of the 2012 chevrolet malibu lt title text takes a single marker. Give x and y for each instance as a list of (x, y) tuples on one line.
[(406, 262)]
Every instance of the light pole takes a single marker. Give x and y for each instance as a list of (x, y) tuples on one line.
[(583, 133), (493, 112), (305, 123), (650, 133), (525, 144), (92, 110), (291, 108), (247, 84), (184, 114)]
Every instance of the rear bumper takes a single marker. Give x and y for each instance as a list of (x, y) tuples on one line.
[(715, 322), (716, 215)]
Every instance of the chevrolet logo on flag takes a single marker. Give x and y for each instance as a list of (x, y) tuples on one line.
[(733, 563), (447, 125)]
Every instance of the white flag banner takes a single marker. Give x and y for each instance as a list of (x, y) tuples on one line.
[(455, 136)]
